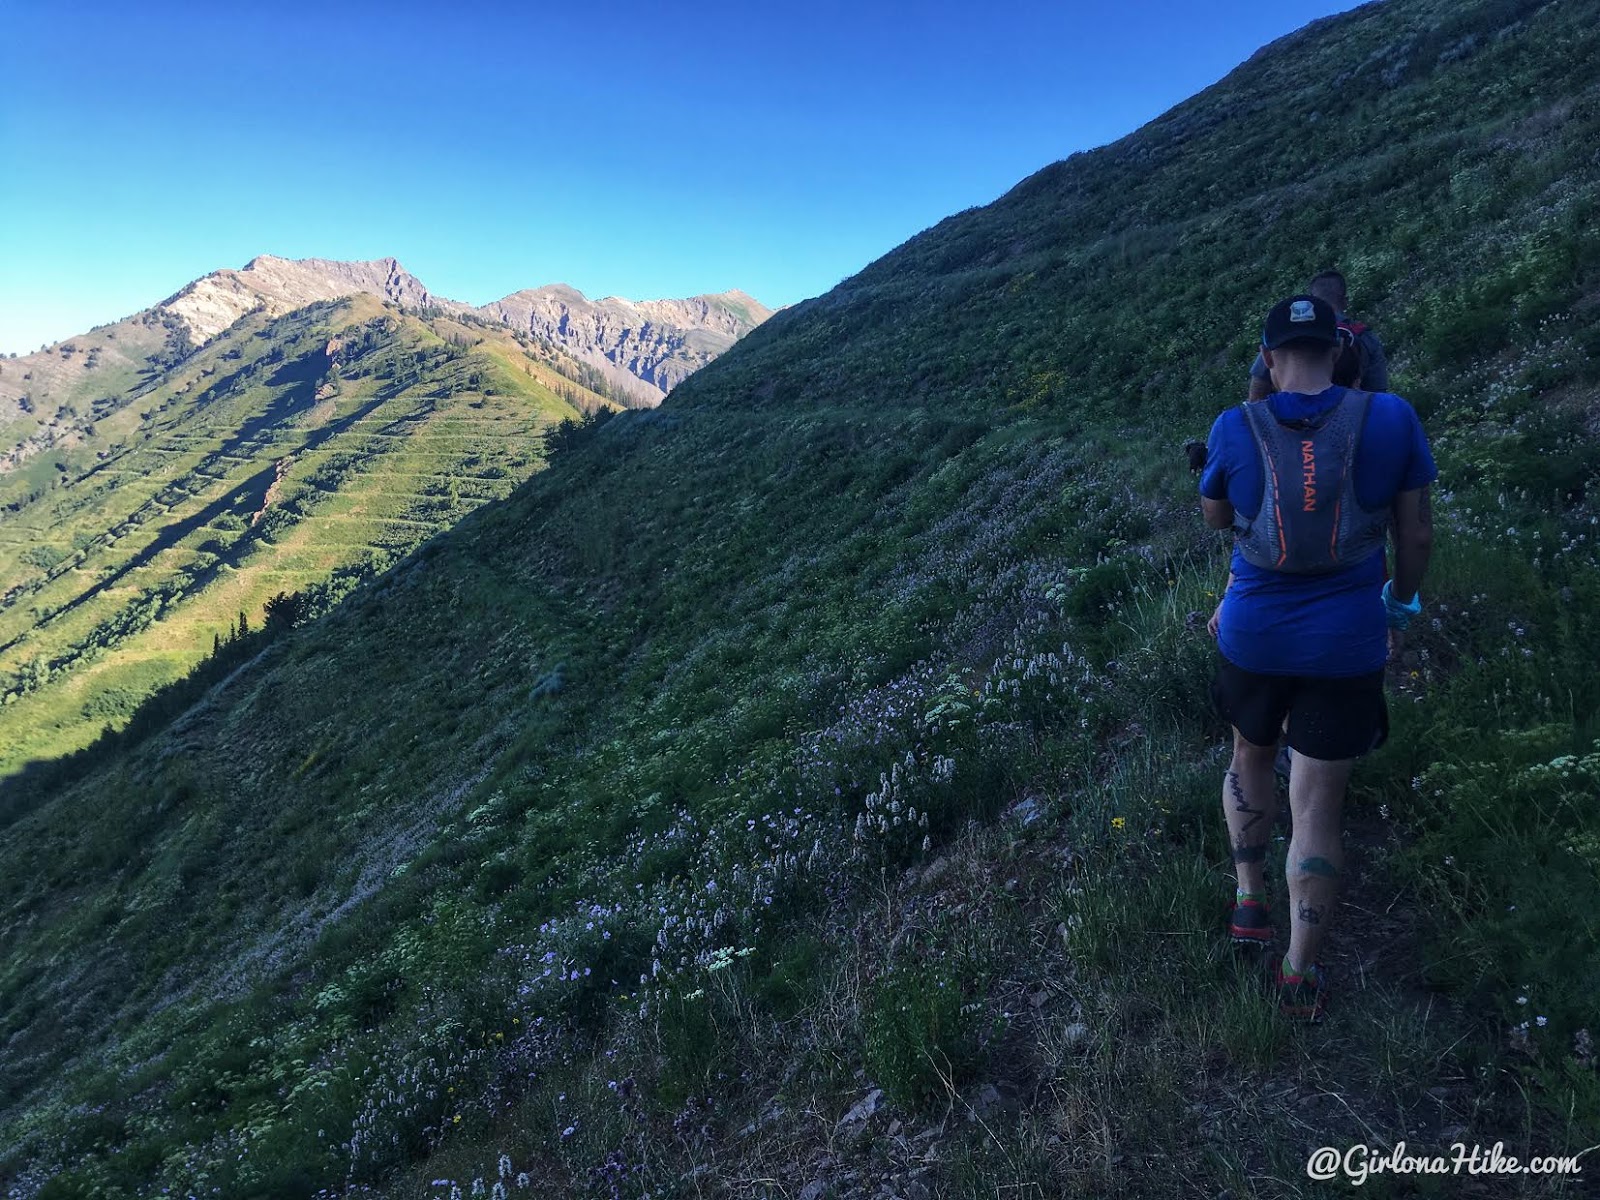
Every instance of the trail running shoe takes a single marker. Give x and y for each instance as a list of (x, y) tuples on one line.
[(1250, 923), (1302, 998)]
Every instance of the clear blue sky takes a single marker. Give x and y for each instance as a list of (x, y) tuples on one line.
[(626, 148)]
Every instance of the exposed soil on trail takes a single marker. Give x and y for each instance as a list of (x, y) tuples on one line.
[(274, 489)]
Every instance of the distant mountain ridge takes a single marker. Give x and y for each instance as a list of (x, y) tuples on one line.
[(643, 348), (639, 350), (656, 343)]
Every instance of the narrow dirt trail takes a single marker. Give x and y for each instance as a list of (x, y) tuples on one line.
[(1129, 1083)]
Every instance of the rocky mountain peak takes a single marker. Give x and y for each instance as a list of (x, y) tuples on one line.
[(211, 304), (644, 348)]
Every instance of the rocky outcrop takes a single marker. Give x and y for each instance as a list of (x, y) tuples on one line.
[(209, 305), (643, 348)]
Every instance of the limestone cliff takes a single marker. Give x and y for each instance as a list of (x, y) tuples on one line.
[(211, 304), (644, 348)]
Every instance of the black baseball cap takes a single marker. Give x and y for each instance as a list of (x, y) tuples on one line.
[(1300, 319)]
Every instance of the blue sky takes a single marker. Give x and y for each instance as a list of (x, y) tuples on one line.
[(626, 148)]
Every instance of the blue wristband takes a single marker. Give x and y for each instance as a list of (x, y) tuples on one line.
[(1399, 613)]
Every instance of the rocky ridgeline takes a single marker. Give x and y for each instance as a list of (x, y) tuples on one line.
[(643, 348), (211, 304)]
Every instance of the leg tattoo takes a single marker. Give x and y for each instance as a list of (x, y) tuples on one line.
[(1250, 854), (1309, 913), (1236, 790), (1319, 866)]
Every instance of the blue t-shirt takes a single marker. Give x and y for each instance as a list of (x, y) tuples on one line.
[(1275, 623)]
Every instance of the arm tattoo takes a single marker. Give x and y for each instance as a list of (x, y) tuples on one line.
[(1319, 866), (1236, 790), (1309, 913)]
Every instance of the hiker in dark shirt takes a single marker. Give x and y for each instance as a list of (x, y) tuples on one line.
[(1371, 366), (1311, 480)]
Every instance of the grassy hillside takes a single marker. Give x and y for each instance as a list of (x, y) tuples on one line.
[(841, 726), (51, 401), (293, 454)]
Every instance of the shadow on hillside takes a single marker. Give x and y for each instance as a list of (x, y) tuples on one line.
[(300, 376), (254, 490), (38, 778), (41, 777)]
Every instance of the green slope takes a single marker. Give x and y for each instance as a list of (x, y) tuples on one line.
[(286, 454), (52, 402), (639, 825)]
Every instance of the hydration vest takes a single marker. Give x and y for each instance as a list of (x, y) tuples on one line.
[(1310, 521)]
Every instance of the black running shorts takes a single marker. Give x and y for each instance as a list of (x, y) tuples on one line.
[(1328, 718)]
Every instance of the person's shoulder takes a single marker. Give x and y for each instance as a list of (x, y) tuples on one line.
[(1225, 448), (1394, 432), (1228, 421), (1393, 405)]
